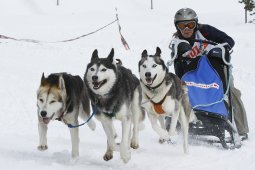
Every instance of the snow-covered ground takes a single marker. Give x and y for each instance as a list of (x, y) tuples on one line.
[(22, 64)]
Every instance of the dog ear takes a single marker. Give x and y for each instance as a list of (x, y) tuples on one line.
[(158, 51), (110, 56), (43, 80), (94, 55), (144, 53), (61, 83)]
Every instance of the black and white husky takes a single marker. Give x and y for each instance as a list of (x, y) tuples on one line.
[(63, 97), (115, 93), (164, 94)]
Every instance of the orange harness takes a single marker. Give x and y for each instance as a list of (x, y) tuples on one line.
[(158, 106)]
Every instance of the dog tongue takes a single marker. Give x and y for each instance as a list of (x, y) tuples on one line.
[(46, 120), (149, 81)]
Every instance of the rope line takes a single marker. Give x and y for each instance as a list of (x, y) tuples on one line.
[(124, 42), (72, 39)]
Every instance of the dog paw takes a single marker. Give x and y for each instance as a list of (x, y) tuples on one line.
[(164, 137), (173, 139), (74, 160), (75, 155), (108, 156), (134, 145), (125, 156), (42, 147), (161, 140)]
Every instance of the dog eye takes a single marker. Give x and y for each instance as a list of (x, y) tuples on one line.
[(53, 101), (104, 69), (41, 100), (92, 69), (144, 66), (154, 65)]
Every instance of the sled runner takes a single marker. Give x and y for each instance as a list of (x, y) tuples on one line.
[(210, 98)]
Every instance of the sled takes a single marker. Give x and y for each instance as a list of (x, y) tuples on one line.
[(211, 101)]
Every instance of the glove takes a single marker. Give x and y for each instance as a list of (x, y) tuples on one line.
[(217, 53), (182, 48)]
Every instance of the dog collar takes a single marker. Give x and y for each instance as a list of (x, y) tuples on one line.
[(111, 114), (152, 88)]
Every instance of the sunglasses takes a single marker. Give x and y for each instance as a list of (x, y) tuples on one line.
[(186, 24)]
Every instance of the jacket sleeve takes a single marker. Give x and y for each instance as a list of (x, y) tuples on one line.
[(215, 35)]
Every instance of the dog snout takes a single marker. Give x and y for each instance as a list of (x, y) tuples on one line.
[(43, 113), (147, 74), (94, 78)]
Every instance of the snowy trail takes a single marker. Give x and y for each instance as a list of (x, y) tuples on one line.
[(22, 64)]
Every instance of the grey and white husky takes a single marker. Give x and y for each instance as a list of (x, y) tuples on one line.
[(115, 93), (164, 94), (63, 97)]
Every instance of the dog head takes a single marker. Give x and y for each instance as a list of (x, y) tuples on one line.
[(51, 97), (152, 69), (101, 73)]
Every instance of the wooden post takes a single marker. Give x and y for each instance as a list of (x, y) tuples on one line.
[(245, 16), (151, 4), (57, 2)]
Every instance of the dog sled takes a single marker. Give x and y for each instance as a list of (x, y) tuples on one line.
[(210, 99)]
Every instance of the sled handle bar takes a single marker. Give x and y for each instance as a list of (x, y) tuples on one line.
[(217, 45), (205, 41)]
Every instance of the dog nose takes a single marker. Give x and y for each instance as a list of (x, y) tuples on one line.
[(94, 78), (43, 113), (147, 74)]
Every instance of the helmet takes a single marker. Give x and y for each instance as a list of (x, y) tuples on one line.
[(185, 14)]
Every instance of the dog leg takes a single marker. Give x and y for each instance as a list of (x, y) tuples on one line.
[(185, 127), (161, 120), (91, 124), (163, 134), (172, 129), (110, 134), (125, 153), (42, 128), (74, 132), (84, 115), (136, 116)]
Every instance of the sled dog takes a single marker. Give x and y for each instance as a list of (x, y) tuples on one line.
[(62, 97), (164, 94), (115, 93)]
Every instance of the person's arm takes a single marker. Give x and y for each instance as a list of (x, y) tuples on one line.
[(213, 34)]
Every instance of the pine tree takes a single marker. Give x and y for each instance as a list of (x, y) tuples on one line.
[(249, 6)]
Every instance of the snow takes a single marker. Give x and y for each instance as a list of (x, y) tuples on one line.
[(22, 64)]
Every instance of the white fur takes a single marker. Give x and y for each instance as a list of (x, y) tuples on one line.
[(170, 105), (50, 103), (102, 73)]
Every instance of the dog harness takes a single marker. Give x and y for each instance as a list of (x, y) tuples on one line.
[(158, 106)]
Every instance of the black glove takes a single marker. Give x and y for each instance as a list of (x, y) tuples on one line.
[(217, 53), (182, 48)]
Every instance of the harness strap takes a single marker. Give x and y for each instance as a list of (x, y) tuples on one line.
[(111, 114), (94, 108), (158, 106)]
